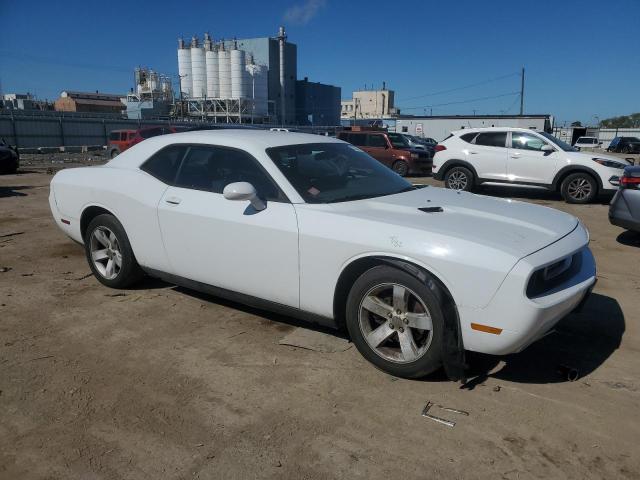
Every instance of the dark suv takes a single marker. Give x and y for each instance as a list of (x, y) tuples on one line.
[(624, 145), (391, 149)]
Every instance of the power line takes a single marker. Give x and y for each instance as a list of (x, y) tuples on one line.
[(442, 92), (462, 101)]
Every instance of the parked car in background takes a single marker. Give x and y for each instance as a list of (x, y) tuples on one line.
[(587, 142), (9, 158), (519, 156), (413, 142), (624, 210), (391, 149), (624, 145), (121, 140), (315, 228)]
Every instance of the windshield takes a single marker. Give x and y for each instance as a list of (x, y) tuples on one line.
[(398, 140), (564, 146), (335, 172)]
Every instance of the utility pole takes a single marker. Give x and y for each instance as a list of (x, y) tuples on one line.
[(522, 93)]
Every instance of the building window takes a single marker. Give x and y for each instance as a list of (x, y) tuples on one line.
[(405, 129)]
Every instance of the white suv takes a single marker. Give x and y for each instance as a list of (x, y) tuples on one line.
[(518, 156)]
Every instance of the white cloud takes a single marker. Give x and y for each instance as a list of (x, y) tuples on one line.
[(302, 14)]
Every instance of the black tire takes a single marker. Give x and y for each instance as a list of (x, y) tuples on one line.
[(579, 188), (431, 359), (459, 178), (401, 168), (129, 272), (626, 149), (114, 153)]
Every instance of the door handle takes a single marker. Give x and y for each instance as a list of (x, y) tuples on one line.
[(173, 200), (515, 155), (473, 153)]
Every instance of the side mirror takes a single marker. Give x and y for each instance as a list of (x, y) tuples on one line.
[(547, 149), (243, 191)]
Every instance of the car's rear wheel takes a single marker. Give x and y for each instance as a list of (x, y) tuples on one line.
[(396, 322), (401, 168), (579, 188), (459, 178), (109, 253), (626, 149)]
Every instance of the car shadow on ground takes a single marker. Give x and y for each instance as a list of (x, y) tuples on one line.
[(531, 194), (287, 322), (13, 191), (629, 238), (580, 344)]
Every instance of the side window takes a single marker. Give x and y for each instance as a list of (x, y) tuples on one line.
[(376, 141), (114, 136), (492, 139), (467, 137), (525, 141), (358, 139), (213, 168), (164, 164)]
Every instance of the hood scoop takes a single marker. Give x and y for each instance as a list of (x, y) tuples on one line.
[(431, 209)]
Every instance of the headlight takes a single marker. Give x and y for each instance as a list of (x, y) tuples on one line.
[(609, 163)]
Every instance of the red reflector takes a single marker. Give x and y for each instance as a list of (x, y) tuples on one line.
[(630, 181), (440, 148), (66, 222)]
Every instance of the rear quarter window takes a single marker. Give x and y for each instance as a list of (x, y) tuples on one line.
[(164, 164), (467, 137)]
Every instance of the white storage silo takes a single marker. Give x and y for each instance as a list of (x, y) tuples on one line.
[(213, 80), (238, 89), (198, 70), (184, 68), (224, 72)]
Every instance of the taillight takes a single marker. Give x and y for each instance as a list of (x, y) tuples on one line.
[(439, 148), (630, 182)]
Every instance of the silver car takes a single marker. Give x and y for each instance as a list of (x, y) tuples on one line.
[(624, 210)]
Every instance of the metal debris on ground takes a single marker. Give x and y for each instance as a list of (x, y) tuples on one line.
[(316, 341), (4, 269), (496, 388), (568, 372), (443, 421)]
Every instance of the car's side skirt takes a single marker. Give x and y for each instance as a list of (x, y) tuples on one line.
[(245, 299)]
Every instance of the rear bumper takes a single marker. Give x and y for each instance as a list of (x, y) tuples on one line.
[(421, 166), (619, 212), (523, 320)]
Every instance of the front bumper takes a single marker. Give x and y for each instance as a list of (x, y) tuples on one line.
[(523, 320)]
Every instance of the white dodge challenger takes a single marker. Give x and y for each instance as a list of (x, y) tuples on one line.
[(315, 228)]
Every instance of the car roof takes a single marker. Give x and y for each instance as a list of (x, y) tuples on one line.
[(252, 141), (492, 129)]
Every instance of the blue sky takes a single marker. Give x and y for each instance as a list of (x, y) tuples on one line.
[(582, 58)]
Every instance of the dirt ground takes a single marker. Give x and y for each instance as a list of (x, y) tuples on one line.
[(161, 382)]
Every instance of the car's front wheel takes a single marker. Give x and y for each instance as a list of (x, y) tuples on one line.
[(459, 178), (109, 253), (579, 188), (396, 322)]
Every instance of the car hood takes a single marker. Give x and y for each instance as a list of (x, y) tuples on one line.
[(510, 226)]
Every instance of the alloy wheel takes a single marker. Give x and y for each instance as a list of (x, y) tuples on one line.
[(579, 188), (105, 252), (395, 323), (458, 180)]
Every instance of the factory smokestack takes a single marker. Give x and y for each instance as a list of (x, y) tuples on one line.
[(282, 38)]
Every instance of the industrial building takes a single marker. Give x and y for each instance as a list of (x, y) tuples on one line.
[(439, 127), (317, 103), (250, 80), (152, 96), (89, 102), (369, 104)]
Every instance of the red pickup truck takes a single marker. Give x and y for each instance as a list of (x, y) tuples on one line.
[(121, 140)]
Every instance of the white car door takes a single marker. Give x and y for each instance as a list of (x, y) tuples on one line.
[(227, 243), (488, 154), (528, 163)]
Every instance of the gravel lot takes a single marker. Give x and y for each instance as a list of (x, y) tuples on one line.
[(162, 382)]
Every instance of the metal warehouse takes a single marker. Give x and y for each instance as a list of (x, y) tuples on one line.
[(439, 127)]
